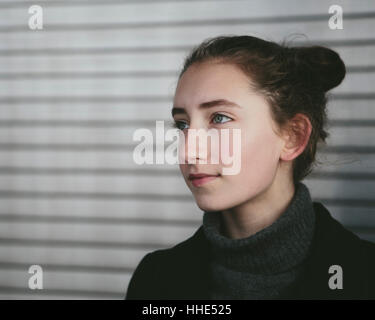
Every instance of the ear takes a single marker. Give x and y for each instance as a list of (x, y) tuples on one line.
[(296, 136)]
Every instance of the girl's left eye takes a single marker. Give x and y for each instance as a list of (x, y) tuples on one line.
[(220, 116)]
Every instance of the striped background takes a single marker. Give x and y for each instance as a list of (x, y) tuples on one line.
[(71, 95)]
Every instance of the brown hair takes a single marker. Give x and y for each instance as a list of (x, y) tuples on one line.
[(292, 79)]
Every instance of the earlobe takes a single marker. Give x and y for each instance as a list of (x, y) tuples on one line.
[(296, 137)]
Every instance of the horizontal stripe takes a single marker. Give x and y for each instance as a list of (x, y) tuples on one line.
[(184, 23), (88, 3), (72, 219), (129, 88), (146, 123), (91, 99), (93, 171), (62, 292), (161, 197), (77, 123), (321, 174), (351, 123), (115, 257), (95, 195), (34, 218), (154, 49), (130, 147), (80, 244), (90, 75), (359, 69), (124, 74), (4, 265), (346, 202), (140, 98)]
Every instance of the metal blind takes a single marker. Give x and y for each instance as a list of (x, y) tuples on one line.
[(71, 95)]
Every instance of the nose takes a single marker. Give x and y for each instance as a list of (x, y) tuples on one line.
[(196, 146)]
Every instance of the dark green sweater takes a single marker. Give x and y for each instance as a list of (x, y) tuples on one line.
[(267, 264)]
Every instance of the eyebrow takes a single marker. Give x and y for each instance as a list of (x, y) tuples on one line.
[(206, 105)]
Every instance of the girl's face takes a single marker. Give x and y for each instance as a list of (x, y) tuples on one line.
[(245, 110)]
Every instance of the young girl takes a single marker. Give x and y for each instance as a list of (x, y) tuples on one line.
[(262, 236)]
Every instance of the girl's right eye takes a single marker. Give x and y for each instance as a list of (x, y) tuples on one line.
[(177, 124)]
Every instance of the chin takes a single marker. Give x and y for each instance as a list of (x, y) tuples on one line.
[(210, 205)]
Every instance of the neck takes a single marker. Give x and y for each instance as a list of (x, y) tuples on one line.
[(258, 213)]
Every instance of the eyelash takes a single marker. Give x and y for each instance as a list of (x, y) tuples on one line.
[(175, 123)]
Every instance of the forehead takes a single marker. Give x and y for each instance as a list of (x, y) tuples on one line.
[(208, 81)]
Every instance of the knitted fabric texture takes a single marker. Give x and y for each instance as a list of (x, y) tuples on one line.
[(266, 264)]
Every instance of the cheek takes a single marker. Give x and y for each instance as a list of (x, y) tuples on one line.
[(184, 169), (260, 157), (259, 160)]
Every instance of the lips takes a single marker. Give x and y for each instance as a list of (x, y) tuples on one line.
[(200, 175), (201, 178)]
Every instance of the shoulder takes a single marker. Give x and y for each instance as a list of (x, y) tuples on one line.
[(335, 245), (162, 267), (331, 230)]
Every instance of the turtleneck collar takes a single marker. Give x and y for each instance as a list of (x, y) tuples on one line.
[(279, 247)]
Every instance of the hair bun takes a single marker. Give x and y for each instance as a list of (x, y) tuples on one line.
[(318, 66)]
